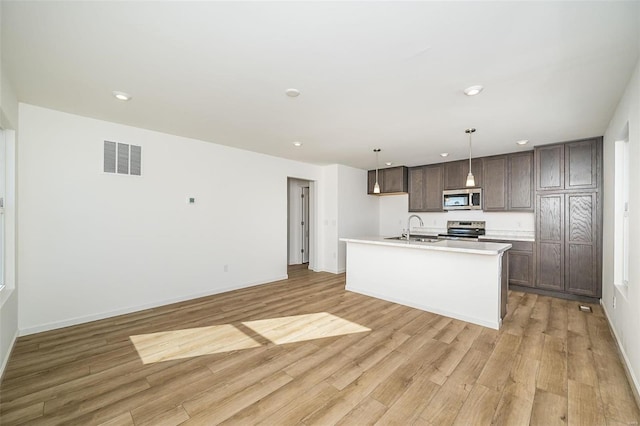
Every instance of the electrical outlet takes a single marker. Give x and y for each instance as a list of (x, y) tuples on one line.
[(614, 302)]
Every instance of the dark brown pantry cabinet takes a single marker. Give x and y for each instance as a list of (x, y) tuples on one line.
[(425, 188), (392, 180), (569, 217)]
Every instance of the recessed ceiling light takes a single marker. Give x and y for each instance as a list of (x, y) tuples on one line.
[(444, 154), (388, 163), (473, 90), (121, 96), (298, 144), (522, 141), (292, 93)]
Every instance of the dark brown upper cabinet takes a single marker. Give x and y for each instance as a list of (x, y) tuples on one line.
[(425, 188), (508, 182), (455, 173), (393, 180), (496, 179), (581, 164), (520, 186), (568, 166)]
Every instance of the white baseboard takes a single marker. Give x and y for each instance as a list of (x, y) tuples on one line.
[(331, 271), (88, 318), (635, 384), (8, 354)]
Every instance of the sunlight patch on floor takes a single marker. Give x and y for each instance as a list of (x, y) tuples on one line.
[(199, 341), (190, 342), (299, 328)]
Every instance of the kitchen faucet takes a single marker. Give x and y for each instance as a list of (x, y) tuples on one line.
[(409, 224)]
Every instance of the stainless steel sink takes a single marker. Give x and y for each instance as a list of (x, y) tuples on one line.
[(416, 239), (426, 240)]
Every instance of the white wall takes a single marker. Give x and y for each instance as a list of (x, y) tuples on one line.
[(349, 212), (8, 296), (394, 212), (625, 317), (92, 244), (329, 223), (358, 212)]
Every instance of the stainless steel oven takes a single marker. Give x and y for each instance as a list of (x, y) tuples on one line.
[(462, 199)]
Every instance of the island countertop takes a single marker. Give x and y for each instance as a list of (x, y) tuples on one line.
[(473, 247)]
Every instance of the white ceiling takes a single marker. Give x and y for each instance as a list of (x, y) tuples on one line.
[(372, 74)]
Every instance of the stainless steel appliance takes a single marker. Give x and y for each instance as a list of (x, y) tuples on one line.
[(462, 199), (463, 230)]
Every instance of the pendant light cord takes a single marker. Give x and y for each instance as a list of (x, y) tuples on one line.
[(469, 152), (470, 131)]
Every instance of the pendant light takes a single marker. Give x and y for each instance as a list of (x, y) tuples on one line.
[(470, 179), (376, 187)]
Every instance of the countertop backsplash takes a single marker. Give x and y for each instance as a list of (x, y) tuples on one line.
[(394, 213)]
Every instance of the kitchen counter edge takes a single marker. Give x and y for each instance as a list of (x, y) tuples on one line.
[(472, 247)]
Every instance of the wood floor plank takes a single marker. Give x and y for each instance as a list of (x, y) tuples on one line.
[(584, 405), (479, 408), (23, 414), (300, 406), (517, 398), (446, 364), (552, 374), (252, 373), (368, 412), (314, 379), (391, 389), (123, 419), (229, 406), (408, 407), (171, 417), (353, 394), (582, 367), (496, 371), (558, 319), (549, 409), (512, 410), (322, 356), (446, 403)]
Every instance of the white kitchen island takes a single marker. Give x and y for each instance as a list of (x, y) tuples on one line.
[(460, 279)]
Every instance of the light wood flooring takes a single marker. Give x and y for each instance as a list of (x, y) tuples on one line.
[(260, 356)]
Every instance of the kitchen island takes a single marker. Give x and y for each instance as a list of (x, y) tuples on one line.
[(466, 280)]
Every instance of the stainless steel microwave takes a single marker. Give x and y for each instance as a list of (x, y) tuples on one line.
[(462, 199)]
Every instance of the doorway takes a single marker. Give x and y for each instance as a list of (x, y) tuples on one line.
[(305, 224), (300, 216)]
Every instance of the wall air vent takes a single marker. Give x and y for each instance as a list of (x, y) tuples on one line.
[(122, 158)]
